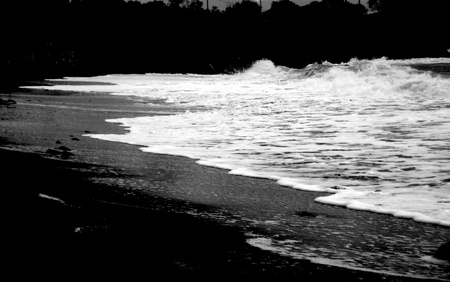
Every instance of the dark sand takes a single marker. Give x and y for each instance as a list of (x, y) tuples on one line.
[(107, 210)]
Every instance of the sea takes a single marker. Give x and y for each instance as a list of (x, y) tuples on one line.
[(373, 134)]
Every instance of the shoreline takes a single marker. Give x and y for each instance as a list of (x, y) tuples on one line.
[(103, 200)]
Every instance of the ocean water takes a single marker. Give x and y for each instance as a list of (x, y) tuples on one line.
[(375, 134)]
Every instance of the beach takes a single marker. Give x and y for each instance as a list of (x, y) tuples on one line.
[(78, 206)]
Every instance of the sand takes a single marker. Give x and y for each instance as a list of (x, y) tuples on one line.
[(81, 207)]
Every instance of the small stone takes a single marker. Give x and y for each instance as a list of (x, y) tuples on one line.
[(58, 142), (443, 252), (338, 187), (305, 214), (64, 148), (408, 168)]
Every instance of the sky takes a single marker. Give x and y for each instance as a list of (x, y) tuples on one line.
[(222, 4)]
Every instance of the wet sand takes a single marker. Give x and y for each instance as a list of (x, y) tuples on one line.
[(81, 207)]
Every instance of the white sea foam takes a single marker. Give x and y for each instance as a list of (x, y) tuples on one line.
[(374, 133)]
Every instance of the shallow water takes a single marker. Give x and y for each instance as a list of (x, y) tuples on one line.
[(375, 134)]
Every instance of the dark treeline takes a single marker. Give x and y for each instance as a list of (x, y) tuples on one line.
[(51, 38)]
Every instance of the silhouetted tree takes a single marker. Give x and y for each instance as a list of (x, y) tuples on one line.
[(401, 8), (215, 10), (245, 8), (176, 3), (284, 10), (333, 4), (375, 5), (194, 5), (155, 5)]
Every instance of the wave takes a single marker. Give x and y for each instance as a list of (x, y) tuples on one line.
[(356, 79), (366, 78)]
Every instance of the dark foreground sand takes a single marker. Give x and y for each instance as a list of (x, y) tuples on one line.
[(84, 212)]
